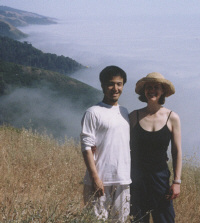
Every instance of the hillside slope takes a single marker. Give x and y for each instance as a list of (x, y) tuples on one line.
[(6, 29), (44, 181), (43, 100), (18, 17), (25, 54)]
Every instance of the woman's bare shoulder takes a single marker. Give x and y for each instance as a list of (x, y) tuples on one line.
[(174, 117), (166, 111), (133, 116)]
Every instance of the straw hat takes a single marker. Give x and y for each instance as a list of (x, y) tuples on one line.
[(155, 77)]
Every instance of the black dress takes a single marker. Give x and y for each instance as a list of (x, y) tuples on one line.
[(150, 174)]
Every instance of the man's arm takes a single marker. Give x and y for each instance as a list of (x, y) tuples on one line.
[(90, 164), (88, 146)]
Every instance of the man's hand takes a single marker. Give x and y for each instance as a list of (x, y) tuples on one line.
[(93, 148), (96, 182), (98, 187), (174, 192)]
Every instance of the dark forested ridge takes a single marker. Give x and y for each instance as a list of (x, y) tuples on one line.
[(18, 17), (35, 88), (21, 76), (25, 54), (41, 99)]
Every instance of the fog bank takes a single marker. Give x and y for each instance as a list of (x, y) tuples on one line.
[(139, 36), (43, 110)]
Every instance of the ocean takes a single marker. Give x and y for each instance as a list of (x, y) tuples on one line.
[(140, 44)]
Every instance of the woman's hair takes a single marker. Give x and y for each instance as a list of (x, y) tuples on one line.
[(109, 72), (143, 98)]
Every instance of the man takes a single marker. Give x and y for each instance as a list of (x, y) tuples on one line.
[(105, 146)]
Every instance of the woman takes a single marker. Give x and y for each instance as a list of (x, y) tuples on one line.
[(152, 128)]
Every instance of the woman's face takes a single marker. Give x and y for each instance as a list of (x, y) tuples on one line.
[(153, 91)]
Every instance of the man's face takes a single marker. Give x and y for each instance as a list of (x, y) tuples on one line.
[(112, 90)]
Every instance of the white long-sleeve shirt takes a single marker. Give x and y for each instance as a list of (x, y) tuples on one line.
[(107, 128)]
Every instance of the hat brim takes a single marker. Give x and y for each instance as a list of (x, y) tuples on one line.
[(168, 86)]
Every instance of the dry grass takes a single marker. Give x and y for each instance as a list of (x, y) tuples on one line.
[(187, 206), (41, 181)]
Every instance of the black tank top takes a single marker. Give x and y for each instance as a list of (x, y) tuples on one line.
[(149, 149)]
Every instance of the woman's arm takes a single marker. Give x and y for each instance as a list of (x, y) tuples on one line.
[(176, 154)]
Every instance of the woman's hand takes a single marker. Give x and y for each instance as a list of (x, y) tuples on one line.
[(174, 192)]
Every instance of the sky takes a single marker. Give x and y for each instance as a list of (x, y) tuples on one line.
[(61, 8), (140, 36)]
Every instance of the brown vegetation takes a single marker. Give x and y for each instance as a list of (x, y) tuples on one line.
[(41, 181), (187, 206)]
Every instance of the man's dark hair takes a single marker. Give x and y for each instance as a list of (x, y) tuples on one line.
[(110, 71)]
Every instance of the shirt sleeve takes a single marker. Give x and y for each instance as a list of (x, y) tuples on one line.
[(88, 131)]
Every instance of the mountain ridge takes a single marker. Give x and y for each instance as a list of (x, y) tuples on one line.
[(43, 100), (25, 54), (36, 90), (11, 18), (8, 30), (17, 17)]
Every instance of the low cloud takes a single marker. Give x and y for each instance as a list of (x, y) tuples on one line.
[(41, 109)]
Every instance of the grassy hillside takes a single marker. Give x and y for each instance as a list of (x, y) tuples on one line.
[(18, 17), (6, 29), (43, 100), (25, 54), (41, 181)]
